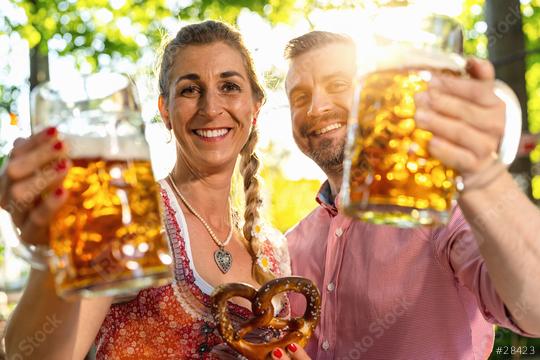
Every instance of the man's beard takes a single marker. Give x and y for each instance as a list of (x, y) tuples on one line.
[(329, 155)]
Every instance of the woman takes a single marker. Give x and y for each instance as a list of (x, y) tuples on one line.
[(209, 100)]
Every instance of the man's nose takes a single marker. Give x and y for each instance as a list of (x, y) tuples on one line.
[(211, 104), (320, 104)]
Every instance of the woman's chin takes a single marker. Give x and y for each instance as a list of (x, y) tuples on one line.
[(213, 164)]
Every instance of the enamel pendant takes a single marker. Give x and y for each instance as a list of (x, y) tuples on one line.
[(223, 259)]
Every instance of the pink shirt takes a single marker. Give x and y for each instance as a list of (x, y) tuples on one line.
[(390, 293)]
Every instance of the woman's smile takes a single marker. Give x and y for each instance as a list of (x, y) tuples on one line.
[(212, 134)]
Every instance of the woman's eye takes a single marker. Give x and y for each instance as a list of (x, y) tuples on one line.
[(230, 87), (190, 90)]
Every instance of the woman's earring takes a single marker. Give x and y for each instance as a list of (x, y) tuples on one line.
[(170, 137), (254, 122)]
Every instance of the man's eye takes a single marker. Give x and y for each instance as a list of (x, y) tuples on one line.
[(230, 87), (338, 86), (299, 99)]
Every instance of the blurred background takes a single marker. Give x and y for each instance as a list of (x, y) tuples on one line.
[(44, 40)]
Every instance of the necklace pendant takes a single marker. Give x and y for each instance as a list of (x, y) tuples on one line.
[(223, 259)]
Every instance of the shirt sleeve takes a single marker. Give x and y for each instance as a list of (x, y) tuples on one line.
[(458, 248)]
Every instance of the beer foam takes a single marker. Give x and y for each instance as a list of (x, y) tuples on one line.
[(107, 148), (402, 57)]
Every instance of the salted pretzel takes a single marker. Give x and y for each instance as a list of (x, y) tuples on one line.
[(297, 330)]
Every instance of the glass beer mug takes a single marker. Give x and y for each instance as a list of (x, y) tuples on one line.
[(389, 175), (106, 239)]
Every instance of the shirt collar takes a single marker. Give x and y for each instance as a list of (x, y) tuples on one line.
[(325, 199)]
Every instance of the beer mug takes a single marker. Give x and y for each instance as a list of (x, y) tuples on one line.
[(106, 239), (389, 176)]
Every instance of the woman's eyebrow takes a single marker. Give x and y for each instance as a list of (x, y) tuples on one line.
[(231, 73), (190, 76)]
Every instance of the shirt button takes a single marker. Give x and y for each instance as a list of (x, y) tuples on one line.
[(325, 345), (331, 287), (339, 232)]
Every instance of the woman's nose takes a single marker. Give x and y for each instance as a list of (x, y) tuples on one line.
[(211, 104)]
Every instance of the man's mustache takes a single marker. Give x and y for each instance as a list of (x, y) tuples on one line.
[(307, 128)]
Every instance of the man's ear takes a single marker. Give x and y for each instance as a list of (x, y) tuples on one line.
[(164, 112)]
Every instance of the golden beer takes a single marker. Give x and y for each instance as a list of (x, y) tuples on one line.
[(107, 237), (393, 179), (106, 240), (389, 177)]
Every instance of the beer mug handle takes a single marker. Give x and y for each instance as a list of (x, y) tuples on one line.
[(509, 144), (37, 256)]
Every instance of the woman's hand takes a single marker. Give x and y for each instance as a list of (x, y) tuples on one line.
[(31, 184), (293, 352)]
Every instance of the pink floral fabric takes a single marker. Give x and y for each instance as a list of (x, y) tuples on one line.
[(169, 322)]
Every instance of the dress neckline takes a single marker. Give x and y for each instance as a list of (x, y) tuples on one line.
[(185, 274), (201, 283)]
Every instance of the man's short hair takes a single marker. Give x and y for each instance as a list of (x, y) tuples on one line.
[(314, 40)]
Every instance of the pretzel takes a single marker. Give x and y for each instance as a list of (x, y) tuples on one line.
[(297, 330)]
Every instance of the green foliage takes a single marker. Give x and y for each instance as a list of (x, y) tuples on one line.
[(274, 10), (289, 200), (475, 42), (7, 95), (88, 29), (531, 27)]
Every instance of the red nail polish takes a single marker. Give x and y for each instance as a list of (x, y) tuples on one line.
[(59, 192), (292, 348), (61, 166), (51, 131), (58, 145), (277, 353)]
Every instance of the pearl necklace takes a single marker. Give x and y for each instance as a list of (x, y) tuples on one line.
[(222, 257)]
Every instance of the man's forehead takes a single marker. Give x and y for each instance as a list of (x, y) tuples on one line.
[(322, 62)]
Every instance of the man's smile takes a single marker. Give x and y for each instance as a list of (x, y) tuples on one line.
[(328, 128)]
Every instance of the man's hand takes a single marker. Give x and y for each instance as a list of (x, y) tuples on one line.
[(467, 121), (466, 118), (293, 352)]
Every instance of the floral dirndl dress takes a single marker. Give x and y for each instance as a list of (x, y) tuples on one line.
[(175, 321)]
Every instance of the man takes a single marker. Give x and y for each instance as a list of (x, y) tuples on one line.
[(424, 293)]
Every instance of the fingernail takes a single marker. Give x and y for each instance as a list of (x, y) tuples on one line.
[(58, 145), (292, 348), (59, 192), (61, 165), (51, 131), (277, 353)]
